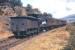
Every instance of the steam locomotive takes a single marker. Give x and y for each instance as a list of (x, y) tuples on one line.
[(23, 26)]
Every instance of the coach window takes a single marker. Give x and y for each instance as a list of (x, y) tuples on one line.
[(22, 23), (17, 28), (12, 23)]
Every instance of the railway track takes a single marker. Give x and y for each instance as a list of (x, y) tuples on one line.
[(11, 42)]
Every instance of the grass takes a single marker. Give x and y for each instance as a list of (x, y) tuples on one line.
[(52, 40), (71, 42)]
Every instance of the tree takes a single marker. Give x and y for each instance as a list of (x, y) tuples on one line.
[(12, 2), (16, 2), (3, 1)]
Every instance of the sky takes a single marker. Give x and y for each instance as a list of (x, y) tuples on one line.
[(58, 8)]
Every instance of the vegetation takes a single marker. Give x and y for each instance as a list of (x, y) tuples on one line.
[(51, 40), (3, 1), (1, 12), (71, 42), (12, 2), (16, 2)]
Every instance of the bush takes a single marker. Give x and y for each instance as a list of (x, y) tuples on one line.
[(71, 42), (73, 23), (16, 2), (12, 2), (1, 12)]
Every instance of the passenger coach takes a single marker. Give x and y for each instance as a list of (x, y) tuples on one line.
[(24, 26)]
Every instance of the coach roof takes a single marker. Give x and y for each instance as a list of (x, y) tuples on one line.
[(24, 17)]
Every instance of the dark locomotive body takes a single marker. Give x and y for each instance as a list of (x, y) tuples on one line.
[(23, 26), (51, 23), (48, 23)]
